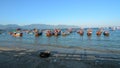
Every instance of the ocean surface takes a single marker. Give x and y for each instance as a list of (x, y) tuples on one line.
[(111, 42)]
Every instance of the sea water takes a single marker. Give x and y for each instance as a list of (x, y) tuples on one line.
[(112, 42)]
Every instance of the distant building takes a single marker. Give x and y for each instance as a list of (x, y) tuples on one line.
[(118, 27), (112, 28)]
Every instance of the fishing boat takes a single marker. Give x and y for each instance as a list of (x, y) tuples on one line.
[(48, 33), (65, 33), (106, 33), (99, 32), (37, 34), (81, 32), (15, 34), (89, 32)]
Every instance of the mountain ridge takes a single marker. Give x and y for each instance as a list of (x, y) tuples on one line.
[(38, 26)]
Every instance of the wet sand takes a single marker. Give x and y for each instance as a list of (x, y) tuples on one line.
[(29, 58)]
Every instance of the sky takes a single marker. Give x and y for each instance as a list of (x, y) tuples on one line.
[(84, 13)]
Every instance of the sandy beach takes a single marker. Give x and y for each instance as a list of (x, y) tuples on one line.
[(29, 58)]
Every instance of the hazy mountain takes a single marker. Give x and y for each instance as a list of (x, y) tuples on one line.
[(9, 26), (2, 27), (38, 26)]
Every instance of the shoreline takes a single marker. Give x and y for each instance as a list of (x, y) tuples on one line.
[(62, 50), (58, 48), (27, 58)]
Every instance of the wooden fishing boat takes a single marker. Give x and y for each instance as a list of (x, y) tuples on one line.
[(89, 32), (106, 33)]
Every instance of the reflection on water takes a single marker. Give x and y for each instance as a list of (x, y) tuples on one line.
[(36, 41), (98, 38), (89, 37)]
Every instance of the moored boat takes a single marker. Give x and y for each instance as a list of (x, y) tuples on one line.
[(99, 32), (106, 33), (81, 32), (89, 32)]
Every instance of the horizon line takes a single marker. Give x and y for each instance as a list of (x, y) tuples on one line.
[(83, 26)]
